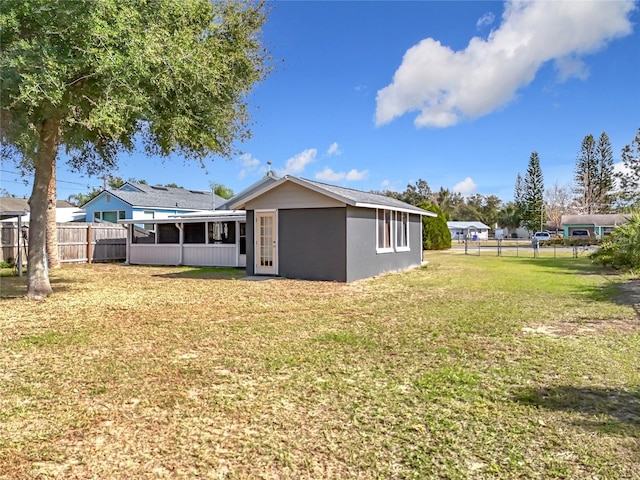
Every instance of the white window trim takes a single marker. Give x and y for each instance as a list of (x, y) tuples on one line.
[(101, 213), (407, 247), (391, 233)]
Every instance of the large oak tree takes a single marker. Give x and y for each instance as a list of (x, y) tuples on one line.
[(98, 77)]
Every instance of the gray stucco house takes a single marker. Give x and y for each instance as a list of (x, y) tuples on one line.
[(299, 228)]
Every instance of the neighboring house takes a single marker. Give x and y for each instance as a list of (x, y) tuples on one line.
[(298, 228), (598, 225), (470, 230), (207, 238), (11, 207), (137, 201)]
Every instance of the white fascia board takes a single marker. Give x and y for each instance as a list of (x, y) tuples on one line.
[(212, 218), (424, 213), (240, 204), (297, 181), (109, 192)]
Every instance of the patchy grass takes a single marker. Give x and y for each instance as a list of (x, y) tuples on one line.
[(470, 367)]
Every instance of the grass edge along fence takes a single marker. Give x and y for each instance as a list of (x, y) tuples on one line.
[(529, 248), (77, 242)]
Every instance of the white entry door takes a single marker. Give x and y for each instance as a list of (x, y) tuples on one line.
[(265, 232)]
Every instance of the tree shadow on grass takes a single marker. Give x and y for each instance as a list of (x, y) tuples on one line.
[(16, 287), (621, 293), (215, 273), (611, 408)]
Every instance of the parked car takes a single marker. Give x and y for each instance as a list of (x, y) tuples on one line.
[(580, 237), (581, 234), (541, 236)]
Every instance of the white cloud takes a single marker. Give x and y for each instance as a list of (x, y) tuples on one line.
[(466, 187), (385, 183), (249, 164), (328, 175), (334, 149), (447, 86), (619, 168), (571, 66), (298, 163), (354, 175), (487, 19)]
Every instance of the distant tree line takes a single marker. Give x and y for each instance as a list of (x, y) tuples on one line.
[(596, 188)]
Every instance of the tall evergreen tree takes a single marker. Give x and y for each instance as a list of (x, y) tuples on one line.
[(629, 178), (518, 199), (435, 233), (585, 177), (533, 195), (604, 175)]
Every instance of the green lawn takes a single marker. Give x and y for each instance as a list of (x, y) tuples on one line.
[(470, 367)]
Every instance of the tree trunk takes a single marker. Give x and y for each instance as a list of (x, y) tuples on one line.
[(53, 258), (38, 285)]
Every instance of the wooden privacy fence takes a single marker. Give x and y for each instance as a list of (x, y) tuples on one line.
[(77, 242)]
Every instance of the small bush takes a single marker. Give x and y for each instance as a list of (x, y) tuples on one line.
[(621, 249)]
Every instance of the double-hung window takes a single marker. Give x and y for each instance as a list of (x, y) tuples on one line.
[(402, 231), (384, 231), (392, 231)]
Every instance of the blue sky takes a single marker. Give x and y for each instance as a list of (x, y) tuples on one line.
[(376, 95)]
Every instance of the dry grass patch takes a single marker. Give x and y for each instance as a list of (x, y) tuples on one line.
[(138, 372)]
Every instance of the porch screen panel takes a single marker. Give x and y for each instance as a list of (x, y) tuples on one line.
[(194, 232)]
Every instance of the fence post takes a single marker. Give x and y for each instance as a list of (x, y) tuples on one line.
[(89, 243)]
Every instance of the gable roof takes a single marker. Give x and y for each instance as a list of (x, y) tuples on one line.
[(13, 204), (348, 196), (597, 220), (149, 196), (467, 225), (266, 180)]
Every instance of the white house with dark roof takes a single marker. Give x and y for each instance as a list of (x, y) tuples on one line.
[(11, 208), (461, 230), (137, 201)]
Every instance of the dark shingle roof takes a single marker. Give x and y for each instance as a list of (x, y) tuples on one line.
[(360, 197), (167, 197), (13, 204), (348, 196), (599, 219)]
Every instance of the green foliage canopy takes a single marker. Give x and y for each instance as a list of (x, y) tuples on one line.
[(621, 249), (175, 73), (97, 76), (435, 233)]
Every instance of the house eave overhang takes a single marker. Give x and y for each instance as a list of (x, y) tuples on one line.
[(303, 183), (225, 217), (416, 211)]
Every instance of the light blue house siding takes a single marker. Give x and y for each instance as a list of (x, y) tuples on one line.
[(108, 208), (134, 201)]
